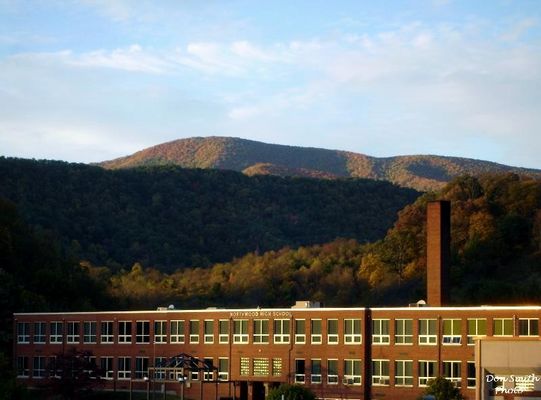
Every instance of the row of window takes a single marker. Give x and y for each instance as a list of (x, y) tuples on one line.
[(175, 331)]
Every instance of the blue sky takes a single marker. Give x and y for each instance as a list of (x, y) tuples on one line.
[(84, 80)]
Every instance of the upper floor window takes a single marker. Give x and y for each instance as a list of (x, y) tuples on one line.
[(528, 327), (380, 331), (107, 334), (452, 331), (315, 330), (223, 331), (208, 327), (124, 332), (177, 331), (143, 332), (160, 331), (89, 331), (476, 327), (281, 330), (73, 332), (503, 326), (240, 331), (39, 332), (23, 332), (56, 335), (300, 331), (352, 331), (261, 331), (403, 331), (332, 331), (428, 331), (194, 331)]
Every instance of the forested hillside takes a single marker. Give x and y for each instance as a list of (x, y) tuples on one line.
[(168, 217), (496, 250), (421, 172)]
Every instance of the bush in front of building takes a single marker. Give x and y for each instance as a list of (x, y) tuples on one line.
[(291, 392), (442, 389)]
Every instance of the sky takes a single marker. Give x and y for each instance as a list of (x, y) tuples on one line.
[(92, 80)]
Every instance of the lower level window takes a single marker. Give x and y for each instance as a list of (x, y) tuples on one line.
[(22, 366), (352, 372), (427, 371), (332, 372), (38, 370), (380, 372), (124, 367), (451, 372), (403, 373)]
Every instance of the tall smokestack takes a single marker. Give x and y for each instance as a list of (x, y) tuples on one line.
[(438, 251)]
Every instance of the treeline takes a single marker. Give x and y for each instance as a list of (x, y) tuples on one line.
[(496, 258), (170, 217)]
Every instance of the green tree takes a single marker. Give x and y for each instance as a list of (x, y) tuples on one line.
[(291, 392), (443, 389)]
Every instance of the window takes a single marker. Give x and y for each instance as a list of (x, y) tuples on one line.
[(124, 367), (240, 331), (299, 371), (223, 369), (276, 367), (142, 332), (107, 334), (22, 367), (452, 331), (332, 372), (244, 366), (51, 366), (451, 372), (89, 331), (352, 331), (503, 326), (380, 331), (124, 332), (160, 331), (208, 374), (208, 327), (403, 373), (261, 331), (315, 330), (427, 371), (23, 332), (260, 367), (141, 367), (194, 331), (106, 365), (159, 373), (38, 370), (528, 327), (471, 375), (352, 372), (427, 331), (56, 332), (300, 331), (39, 332), (403, 331), (177, 332), (380, 372), (281, 331), (476, 327), (332, 331), (73, 332), (223, 328), (315, 371)]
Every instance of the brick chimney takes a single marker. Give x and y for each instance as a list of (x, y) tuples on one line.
[(438, 251)]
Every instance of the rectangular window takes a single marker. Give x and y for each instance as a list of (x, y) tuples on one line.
[(315, 330), (300, 372), (403, 331), (261, 331), (281, 331), (472, 377), (208, 374), (240, 331), (56, 334), (22, 367), (332, 331), (380, 372), (352, 331), (141, 367), (476, 327), (194, 331), (451, 372), (300, 331), (427, 331), (106, 366), (39, 332), (503, 326), (223, 369), (380, 331), (427, 371), (315, 371), (89, 332), (208, 327), (452, 331), (124, 367), (332, 372), (352, 372), (528, 327), (276, 367), (38, 370), (143, 332), (107, 334), (124, 332), (403, 373), (177, 331), (73, 332), (260, 367), (160, 331), (223, 328), (159, 373), (244, 366), (23, 332)]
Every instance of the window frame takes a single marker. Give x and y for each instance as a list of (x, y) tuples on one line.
[(428, 339), (281, 331), (107, 335), (401, 332), (379, 338), (351, 336), (402, 380)]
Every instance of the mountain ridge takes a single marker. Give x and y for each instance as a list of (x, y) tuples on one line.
[(420, 172)]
